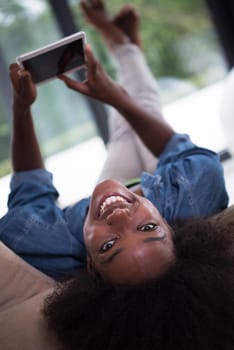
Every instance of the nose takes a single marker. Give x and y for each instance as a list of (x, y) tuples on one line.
[(118, 216)]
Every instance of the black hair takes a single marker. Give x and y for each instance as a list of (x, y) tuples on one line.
[(190, 307)]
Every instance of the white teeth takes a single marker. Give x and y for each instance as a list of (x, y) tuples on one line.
[(110, 200)]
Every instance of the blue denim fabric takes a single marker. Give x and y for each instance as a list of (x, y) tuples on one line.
[(45, 236), (187, 182)]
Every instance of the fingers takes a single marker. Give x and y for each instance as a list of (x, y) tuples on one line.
[(74, 84), (14, 68), (25, 82), (95, 78), (16, 73), (14, 76), (23, 86), (92, 63)]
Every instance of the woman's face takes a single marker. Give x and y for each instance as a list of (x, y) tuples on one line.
[(126, 238)]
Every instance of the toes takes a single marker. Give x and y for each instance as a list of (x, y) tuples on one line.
[(127, 11), (94, 4)]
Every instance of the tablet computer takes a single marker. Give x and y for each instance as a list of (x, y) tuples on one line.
[(64, 55)]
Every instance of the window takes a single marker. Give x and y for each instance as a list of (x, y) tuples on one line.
[(182, 49)]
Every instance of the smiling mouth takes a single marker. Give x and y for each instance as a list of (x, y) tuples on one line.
[(111, 202)]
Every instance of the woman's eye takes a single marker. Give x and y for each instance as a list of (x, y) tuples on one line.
[(108, 245), (148, 227)]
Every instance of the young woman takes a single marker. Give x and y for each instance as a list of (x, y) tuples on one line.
[(153, 285)]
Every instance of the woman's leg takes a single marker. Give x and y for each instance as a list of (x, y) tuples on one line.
[(127, 156)]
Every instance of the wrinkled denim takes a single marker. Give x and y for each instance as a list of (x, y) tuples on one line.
[(187, 182)]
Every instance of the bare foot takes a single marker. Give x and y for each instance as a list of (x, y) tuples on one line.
[(128, 20), (96, 14)]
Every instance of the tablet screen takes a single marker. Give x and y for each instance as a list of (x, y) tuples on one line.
[(49, 64)]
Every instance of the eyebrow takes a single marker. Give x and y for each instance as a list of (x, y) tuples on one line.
[(120, 250), (152, 239), (111, 257)]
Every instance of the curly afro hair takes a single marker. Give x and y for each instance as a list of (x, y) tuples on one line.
[(190, 307)]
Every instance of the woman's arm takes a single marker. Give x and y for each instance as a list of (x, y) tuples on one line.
[(25, 150), (154, 132)]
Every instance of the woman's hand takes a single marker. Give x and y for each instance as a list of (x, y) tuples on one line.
[(98, 84), (24, 90)]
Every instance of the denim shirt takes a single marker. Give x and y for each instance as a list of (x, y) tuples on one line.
[(187, 182)]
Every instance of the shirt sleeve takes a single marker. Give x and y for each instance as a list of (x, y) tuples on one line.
[(32, 187), (179, 147), (188, 181), (36, 229)]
